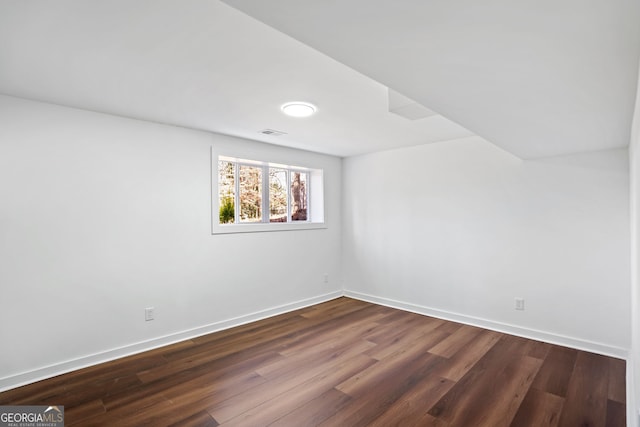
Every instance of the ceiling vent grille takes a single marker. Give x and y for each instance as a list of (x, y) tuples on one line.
[(272, 132), (407, 107)]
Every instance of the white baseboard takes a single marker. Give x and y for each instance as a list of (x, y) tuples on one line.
[(53, 370), (534, 334), (45, 372)]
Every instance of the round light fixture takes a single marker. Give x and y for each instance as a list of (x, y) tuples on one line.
[(298, 109)]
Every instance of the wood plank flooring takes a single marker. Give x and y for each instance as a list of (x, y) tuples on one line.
[(344, 363)]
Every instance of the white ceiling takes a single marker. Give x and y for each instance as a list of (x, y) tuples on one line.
[(199, 64), (537, 78)]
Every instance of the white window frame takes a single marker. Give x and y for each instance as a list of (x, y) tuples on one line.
[(315, 198)]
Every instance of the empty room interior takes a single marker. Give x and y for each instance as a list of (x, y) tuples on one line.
[(412, 213)]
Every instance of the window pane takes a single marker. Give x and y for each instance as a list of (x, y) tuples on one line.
[(250, 194), (227, 191), (299, 188), (277, 195)]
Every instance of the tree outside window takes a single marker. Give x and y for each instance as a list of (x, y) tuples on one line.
[(245, 197)]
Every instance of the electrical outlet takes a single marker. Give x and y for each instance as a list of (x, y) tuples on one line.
[(519, 303), (326, 278), (149, 313)]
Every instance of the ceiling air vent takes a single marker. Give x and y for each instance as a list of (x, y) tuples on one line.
[(272, 132), (407, 107)]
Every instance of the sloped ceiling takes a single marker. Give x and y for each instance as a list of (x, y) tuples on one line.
[(200, 64), (538, 78)]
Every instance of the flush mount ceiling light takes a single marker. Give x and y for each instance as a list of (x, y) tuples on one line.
[(298, 109)]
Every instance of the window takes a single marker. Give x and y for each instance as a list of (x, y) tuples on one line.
[(250, 194), (260, 196), (278, 206)]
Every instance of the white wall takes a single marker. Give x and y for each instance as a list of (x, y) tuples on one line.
[(102, 216), (460, 228)]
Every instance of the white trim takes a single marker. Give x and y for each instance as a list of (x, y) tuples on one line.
[(633, 411), (633, 414), (45, 372), (315, 219), (533, 334), (53, 370), (261, 226)]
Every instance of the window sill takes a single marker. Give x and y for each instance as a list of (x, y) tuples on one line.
[(261, 227)]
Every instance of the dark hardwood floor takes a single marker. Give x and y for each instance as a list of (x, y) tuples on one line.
[(344, 363)]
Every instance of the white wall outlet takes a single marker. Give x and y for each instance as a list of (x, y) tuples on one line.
[(519, 303), (326, 278), (149, 313)]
